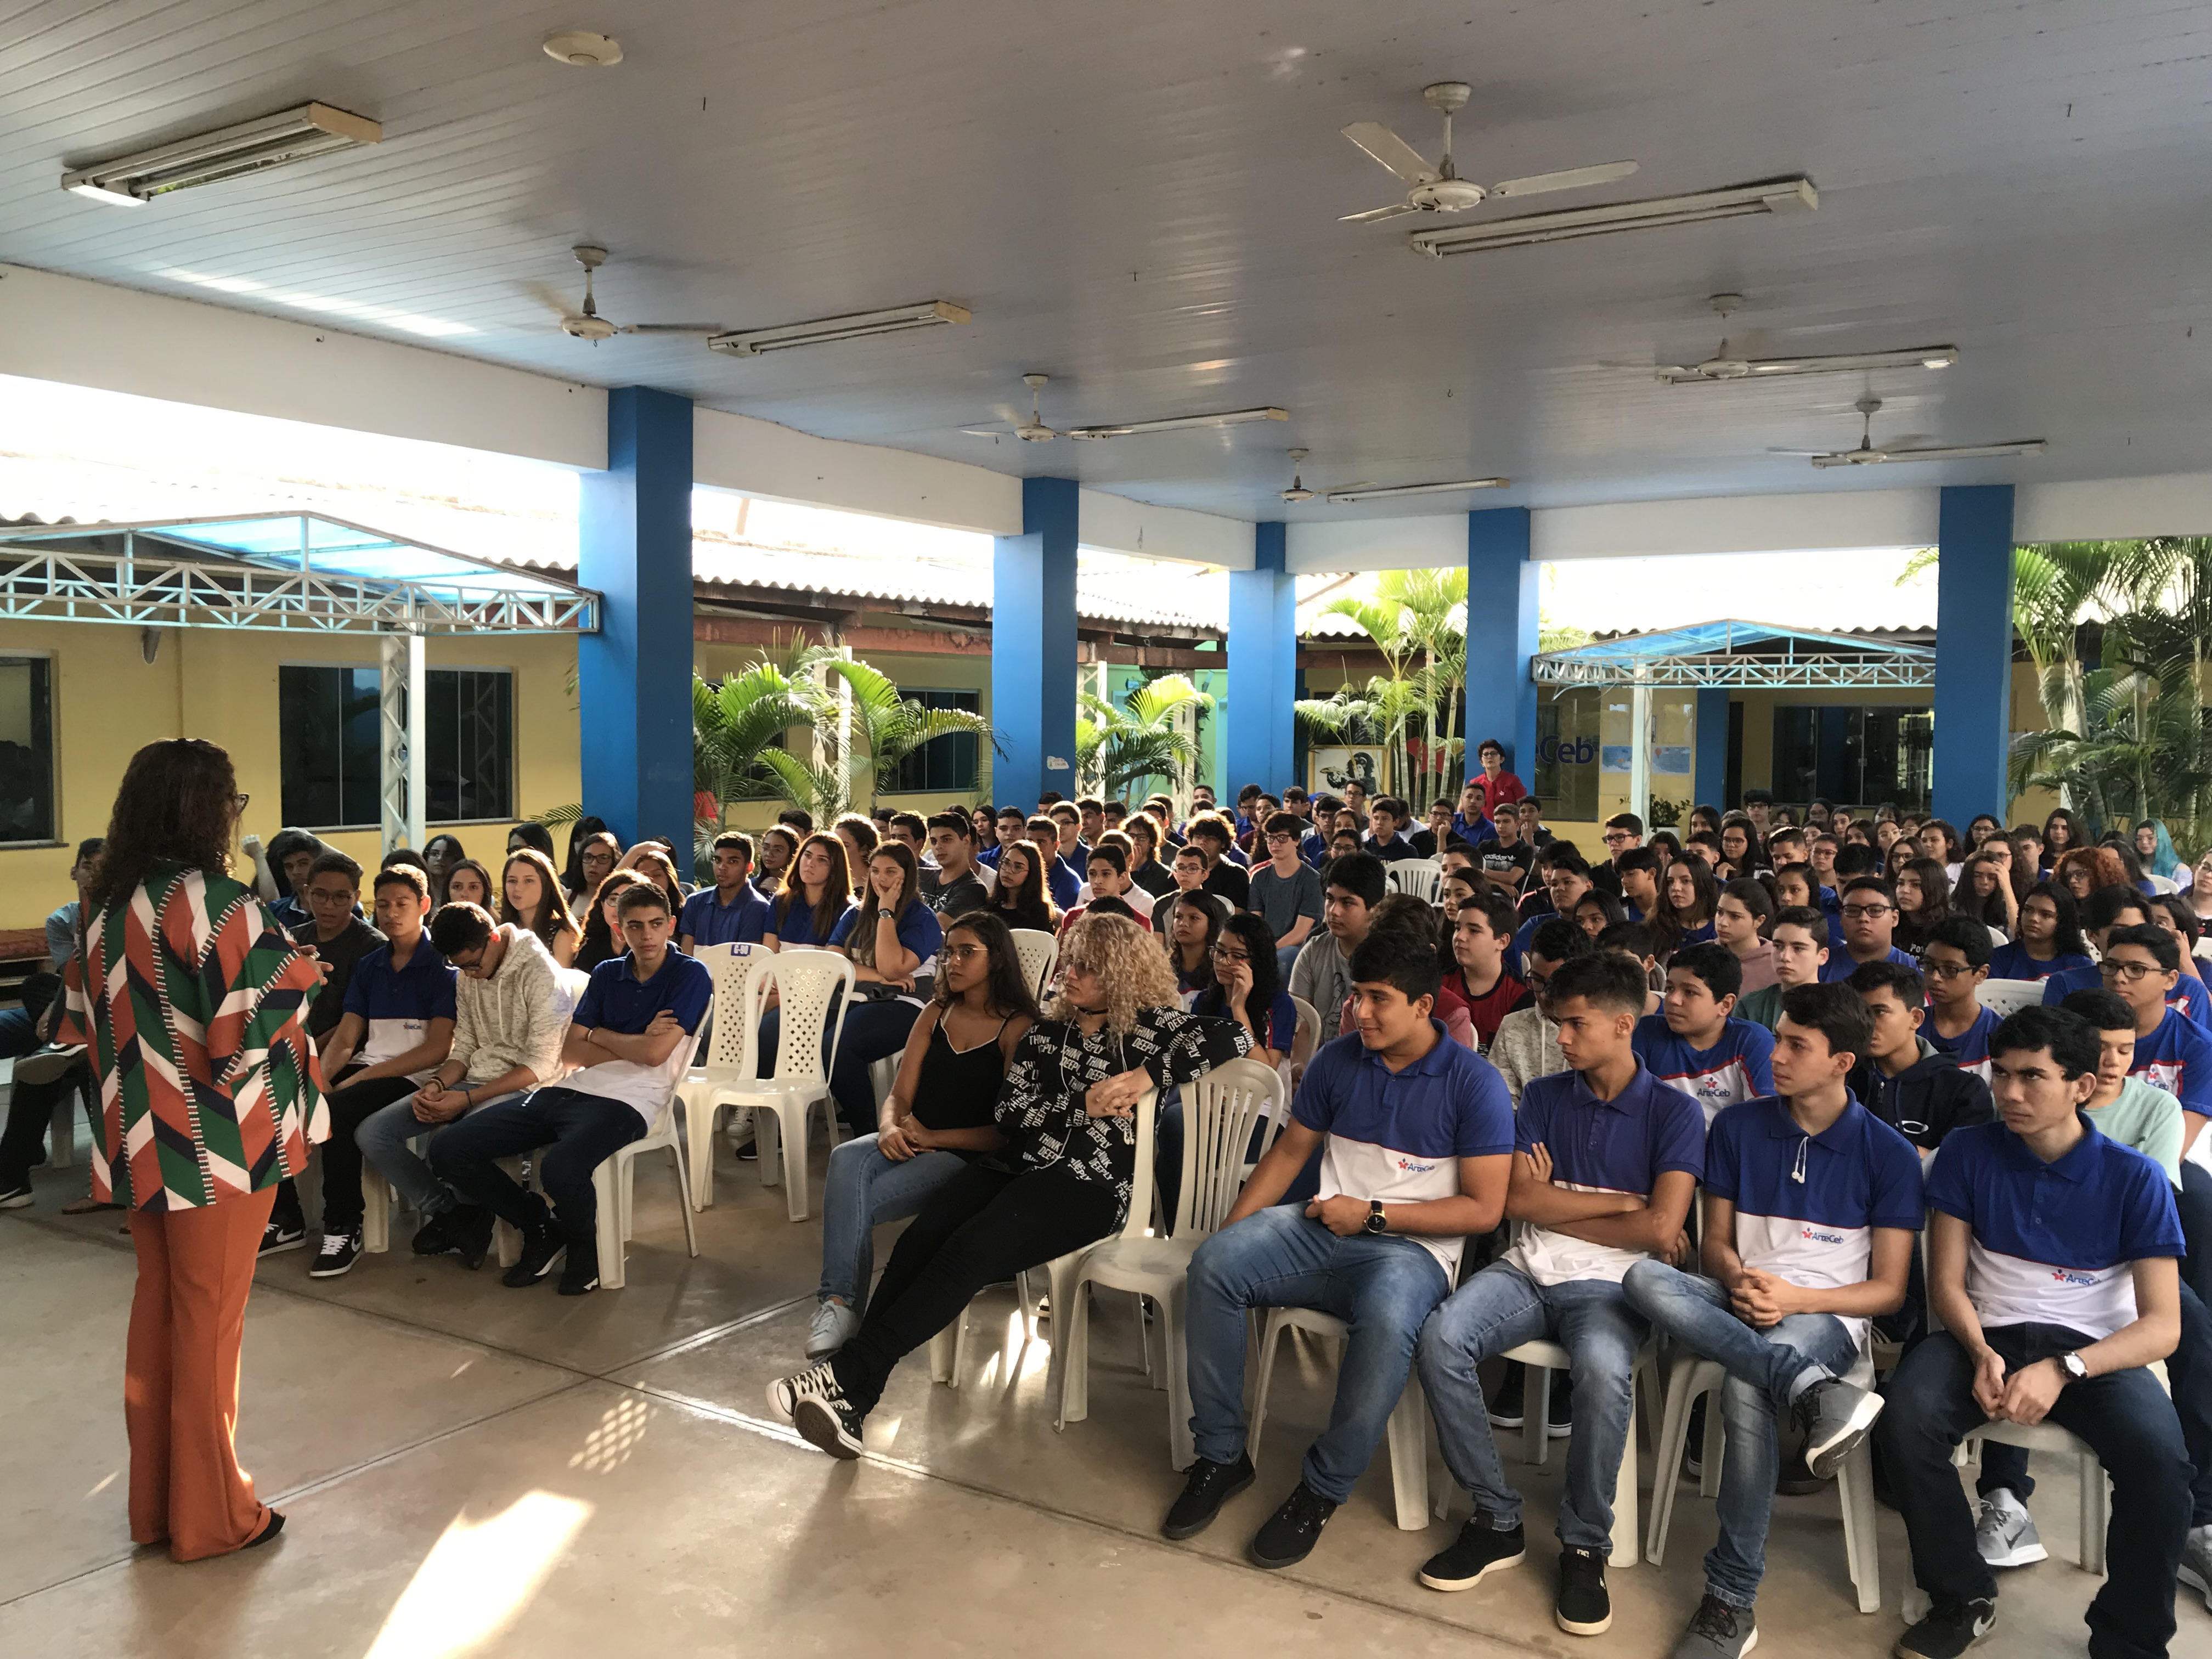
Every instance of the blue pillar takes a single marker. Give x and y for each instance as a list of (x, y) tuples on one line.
[(633, 675), (1501, 638), (1711, 745), (1974, 650), (1263, 667), (1033, 647)]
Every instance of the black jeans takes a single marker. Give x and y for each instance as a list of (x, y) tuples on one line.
[(580, 1131), (982, 1227), (2126, 1419), (348, 1103), (30, 1108), (2195, 1202)]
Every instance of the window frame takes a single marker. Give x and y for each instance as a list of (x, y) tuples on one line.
[(921, 693), (52, 661), (513, 709)]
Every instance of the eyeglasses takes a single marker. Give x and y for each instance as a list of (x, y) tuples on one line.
[(1221, 953), (1864, 912), (1274, 840), (1944, 970), (2126, 973), (966, 952), (1538, 982)]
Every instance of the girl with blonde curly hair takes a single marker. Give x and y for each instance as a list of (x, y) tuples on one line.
[(1058, 1178)]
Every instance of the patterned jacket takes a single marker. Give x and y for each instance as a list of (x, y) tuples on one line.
[(193, 1002), (1040, 1106)]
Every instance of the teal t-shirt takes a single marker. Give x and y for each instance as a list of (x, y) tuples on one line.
[(2147, 1119)]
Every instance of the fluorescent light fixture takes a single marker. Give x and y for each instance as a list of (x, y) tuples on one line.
[(1179, 423), (1767, 368), (1791, 195), (291, 134), (751, 343), (1377, 493)]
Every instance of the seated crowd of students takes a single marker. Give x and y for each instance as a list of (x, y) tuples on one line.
[(1708, 1089)]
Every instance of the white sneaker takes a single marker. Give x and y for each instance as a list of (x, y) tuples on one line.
[(2196, 1562), (832, 1327), (784, 1394), (2005, 1537)]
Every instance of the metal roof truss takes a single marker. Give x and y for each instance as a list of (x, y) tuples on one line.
[(1722, 671)]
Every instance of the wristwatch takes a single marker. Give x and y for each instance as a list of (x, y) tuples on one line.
[(887, 913), (2076, 1367), (1375, 1222)]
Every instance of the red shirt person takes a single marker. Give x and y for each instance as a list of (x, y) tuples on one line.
[(1497, 785)]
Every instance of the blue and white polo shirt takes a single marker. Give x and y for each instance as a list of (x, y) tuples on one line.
[(2177, 1057), (1739, 1068), (2052, 1243), (1971, 1048), (1618, 1145), (1841, 964), (2187, 998), (1807, 1205), (396, 1007), (2012, 961), (1398, 1136)]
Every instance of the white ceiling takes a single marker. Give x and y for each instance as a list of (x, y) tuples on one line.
[(1141, 201)]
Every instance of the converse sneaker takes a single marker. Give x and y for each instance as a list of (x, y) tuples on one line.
[(1836, 1417), (827, 1419), (338, 1253), (1206, 1488), (783, 1393), (1288, 1535), (1718, 1631), (2005, 1535), (281, 1233), (1584, 1607), (1946, 1632), (541, 1248), (832, 1327), (1479, 1550)]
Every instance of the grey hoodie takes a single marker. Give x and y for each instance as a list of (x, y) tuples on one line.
[(516, 1017)]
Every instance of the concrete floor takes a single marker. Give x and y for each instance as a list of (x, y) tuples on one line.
[(472, 1470)]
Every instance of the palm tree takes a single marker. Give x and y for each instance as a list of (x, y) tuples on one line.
[(1418, 620), (1143, 740), (886, 727)]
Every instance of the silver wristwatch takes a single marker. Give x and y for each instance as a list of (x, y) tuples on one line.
[(2076, 1367)]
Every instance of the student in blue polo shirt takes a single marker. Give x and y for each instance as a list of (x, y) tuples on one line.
[(1606, 1160), (628, 1043), (1693, 1044), (1812, 1204), (2051, 1270), (2108, 911), (2049, 940), (1955, 961), (732, 911), (395, 1033), (1870, 916), (1414, 1134)]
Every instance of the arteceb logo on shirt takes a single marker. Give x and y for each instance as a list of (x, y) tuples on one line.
[(2162, 1074), (1820, 1236), (2072, 1276), (1413, 1166)]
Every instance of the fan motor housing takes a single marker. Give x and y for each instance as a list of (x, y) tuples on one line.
[(1447, 196)]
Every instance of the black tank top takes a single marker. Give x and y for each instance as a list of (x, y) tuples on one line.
[(957, 1090)]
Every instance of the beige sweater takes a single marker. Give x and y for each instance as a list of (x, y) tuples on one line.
[(1527, 1046), (512, 1018)]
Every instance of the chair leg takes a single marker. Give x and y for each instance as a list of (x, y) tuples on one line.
[(699, 1131), (768, 1138), (607, 1183), (61, 1144), (1861, 1549), (1536, 1414), (1716, 1446), (1627, 1512), (1263, 1366), (944, 1367), (1408, 1435), (1071, 1357), (1674, 1439), (684, 1196), (376, 1210), (794, 1163), (2096, 1513), (1183, 1447), (1063, 1289), (1149, 1331)]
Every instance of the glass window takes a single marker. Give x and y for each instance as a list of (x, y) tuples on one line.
[(1858, 755), (945, 765), (330, 765), (26, 749), (1569, 722)]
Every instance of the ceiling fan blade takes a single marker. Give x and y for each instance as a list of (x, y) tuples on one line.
[(557, 304), (1573, 179), (1771, 450), (1375, 215), (1178, 422), (673, 328), (987, 431), (1853, 458), (1970, 452), (1392, 151)]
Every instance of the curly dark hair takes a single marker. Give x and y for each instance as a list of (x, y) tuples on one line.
[(176, 805)]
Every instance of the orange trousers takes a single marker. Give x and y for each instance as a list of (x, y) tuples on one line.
[(180, 1375)]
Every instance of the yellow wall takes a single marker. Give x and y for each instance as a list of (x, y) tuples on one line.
[(108, 701)]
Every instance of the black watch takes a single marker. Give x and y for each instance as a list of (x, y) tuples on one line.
[(1374, 1221)]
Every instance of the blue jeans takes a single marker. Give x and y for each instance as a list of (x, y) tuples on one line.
[(864, 1190), (383, 1137), (2126, 1419), (1381, 1285), (1501, 1308), (1766, 1369), (19, 1033)]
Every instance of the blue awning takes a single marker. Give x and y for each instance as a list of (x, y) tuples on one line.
[(1743, 656)]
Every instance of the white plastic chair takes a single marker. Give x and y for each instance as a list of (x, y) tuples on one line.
[(1693, 1377), (1040, 954), (807, 984), (613, 1182), (1423, 878), (2007, 997), (1220, 1112), (733, 1057), (2096, 1496), (1407, 1437)]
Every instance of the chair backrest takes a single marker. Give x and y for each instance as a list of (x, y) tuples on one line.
[(1040, 954), (807, 984), (1220, 1111), (1309, 1037), (2004, 997), (1423, 878), (733, 1044), (1142, 1192)]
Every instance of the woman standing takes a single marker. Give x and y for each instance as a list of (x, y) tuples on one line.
[(193, 1004), (530, 898), (893, 939)]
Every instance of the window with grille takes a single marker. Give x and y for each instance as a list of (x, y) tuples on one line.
[(946, 765), (330, 767), (26, 749)]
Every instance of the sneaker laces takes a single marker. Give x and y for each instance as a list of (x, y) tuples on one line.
[(335, 1244), (1308, 1507), (1714, 1619)]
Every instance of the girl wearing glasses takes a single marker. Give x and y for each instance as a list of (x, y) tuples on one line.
[(1247, 987)]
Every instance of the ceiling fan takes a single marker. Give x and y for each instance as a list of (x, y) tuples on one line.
[(1866, 455), (586, 324), (1725, 365), (1035, 431), (1298, 492), (1439, 189)]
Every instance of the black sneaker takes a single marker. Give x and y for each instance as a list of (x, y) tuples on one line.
[(1559, 1409), (748, 1153), (1693, 1442), (827, 1419), (1836, 1417), (15, 1197), (1479, 1550), (1288, 1535), (541, 1248), (339, 1254), (1946, 1632), (1584, 1607), (1718, 1631), (579, 1274), (1794, 1480), (1505, 1404), (472, 1229), (436, 1236), (281, 1233), (1208, 1487)]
